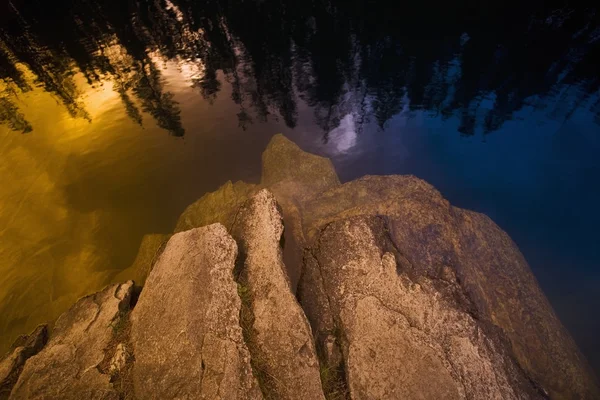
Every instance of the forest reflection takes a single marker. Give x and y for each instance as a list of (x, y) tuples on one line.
[(368, 59)]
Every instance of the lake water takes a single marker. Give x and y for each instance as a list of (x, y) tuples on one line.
[(117, 114)]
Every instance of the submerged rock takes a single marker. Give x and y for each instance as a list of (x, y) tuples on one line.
[(147, 255), (219, 206), (279, 333), (67, 367), (185, 332)]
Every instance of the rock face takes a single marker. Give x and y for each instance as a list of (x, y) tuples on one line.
[(24, 348), (186, 336), (376, 289), (67, 367), (433, 237), (401, 339), (280, 333)]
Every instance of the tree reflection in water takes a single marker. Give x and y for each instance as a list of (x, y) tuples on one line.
[(480, 63)]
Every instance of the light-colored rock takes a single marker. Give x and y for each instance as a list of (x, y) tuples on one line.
[(185, 330), (401, 339), (282, 342), (24, 347), (432, 238), (67, 367)]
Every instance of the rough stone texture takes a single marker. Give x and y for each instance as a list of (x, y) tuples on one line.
[(185, 332), (67, 367), (402, 339), (282, 340), (433, 237), (147, 254), (24, 347)]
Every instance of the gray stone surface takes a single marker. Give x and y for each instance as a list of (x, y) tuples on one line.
[(402, 339), (185, 330), (67, 367), (282, 342)]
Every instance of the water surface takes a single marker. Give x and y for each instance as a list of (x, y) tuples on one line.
[(117, 114)]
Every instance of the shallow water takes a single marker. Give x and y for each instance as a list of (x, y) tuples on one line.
[(116, 115)]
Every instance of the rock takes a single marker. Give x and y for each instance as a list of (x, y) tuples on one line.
[(147, 254), (402, 339), (67, 367), (24, 347), (219, 206), (435, 240), (284, 161), (281, 339), (185, 331), (293, 175)]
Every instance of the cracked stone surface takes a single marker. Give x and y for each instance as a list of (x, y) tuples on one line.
[(434, 238), (282, 336), (185, 331), (402, 339), (67, 367)]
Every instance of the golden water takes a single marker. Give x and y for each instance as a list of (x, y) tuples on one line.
[(76, 197)]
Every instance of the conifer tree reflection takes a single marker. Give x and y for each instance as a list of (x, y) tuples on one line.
[(369, 59)]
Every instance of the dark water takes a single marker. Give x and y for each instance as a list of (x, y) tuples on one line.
[(116, 114)]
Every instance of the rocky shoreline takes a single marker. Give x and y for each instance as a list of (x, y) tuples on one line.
[(301, 287)]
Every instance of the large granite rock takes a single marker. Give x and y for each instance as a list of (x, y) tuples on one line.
[(25, 346), (280, 334), (68, 366), (185, 331), (405, 340), (432, 236)]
